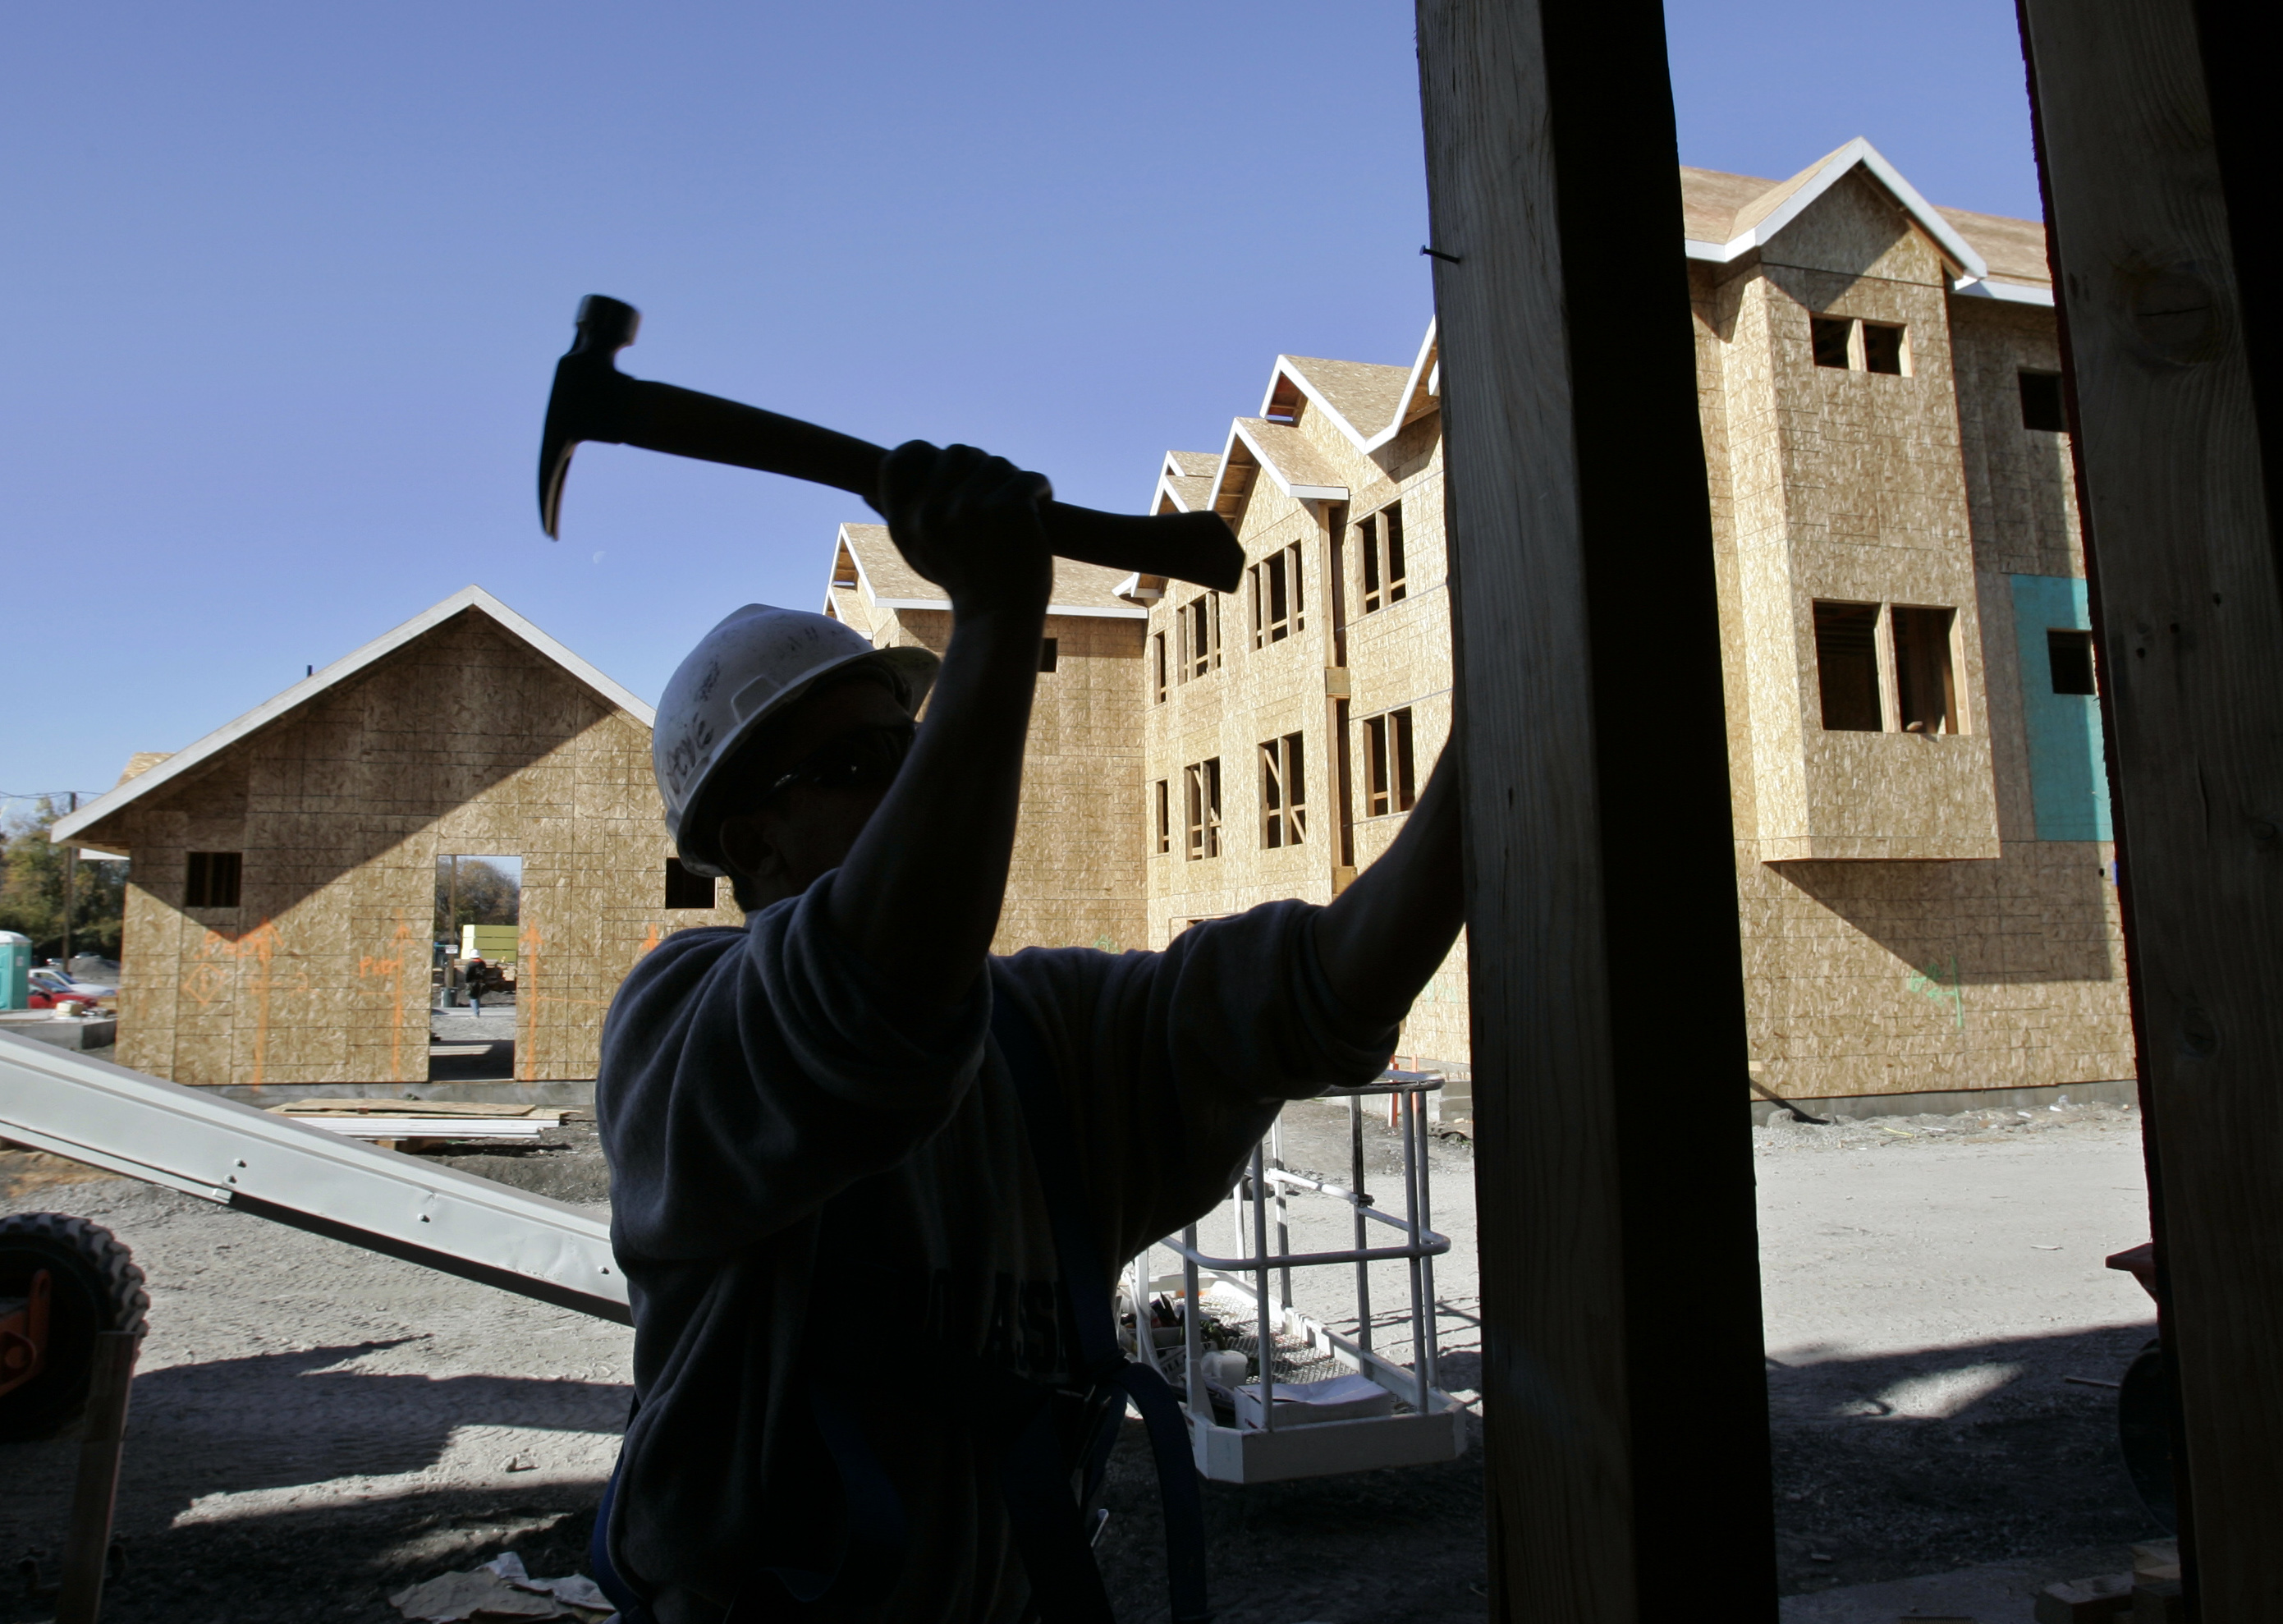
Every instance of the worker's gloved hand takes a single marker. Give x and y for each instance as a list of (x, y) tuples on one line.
[(970, 522)]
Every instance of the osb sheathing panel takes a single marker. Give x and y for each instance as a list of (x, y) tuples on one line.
[(1848, 486), (1076, 876), (2019, 490), (464, 742)]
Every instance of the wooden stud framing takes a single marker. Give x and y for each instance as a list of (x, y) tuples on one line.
[(1626, 1395), (2159, 184)]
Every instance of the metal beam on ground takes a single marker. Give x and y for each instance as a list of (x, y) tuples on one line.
[(1625, 1394), (274, 1167), (2156, 148)]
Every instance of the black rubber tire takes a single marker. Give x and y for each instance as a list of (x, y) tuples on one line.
[(2144, 1430), (93, 1287)]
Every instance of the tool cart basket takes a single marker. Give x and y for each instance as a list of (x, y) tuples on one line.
[(1317, 1402)]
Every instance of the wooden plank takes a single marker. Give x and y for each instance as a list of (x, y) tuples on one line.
[(2188, 609), (1625, 1398)]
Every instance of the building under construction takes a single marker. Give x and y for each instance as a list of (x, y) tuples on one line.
[(1925, 889)]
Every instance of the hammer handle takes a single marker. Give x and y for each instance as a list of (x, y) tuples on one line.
[(1195, 546)]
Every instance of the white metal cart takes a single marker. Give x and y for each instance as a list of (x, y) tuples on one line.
[(1422, 1423)]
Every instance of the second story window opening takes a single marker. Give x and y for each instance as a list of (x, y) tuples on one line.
[(1201, 791), (212, 879), (1882, 349), (1278, 610), (1391, 777), (1926, 697), (1283, 791), (1200, 630), (2068, 654), (1380, 536), (1847, 667), (1848, 344), (2041, 402), (1887, 669), (1162, 828), (1157, 665)]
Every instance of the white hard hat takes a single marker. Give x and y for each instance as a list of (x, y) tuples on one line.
[(745, 670)]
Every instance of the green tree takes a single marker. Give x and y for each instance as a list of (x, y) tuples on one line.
[(31, 889), (489, 894)]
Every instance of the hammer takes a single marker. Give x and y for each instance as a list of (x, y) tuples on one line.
[(593, 399)]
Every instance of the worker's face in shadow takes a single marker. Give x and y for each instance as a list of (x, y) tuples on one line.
[(784, 841)]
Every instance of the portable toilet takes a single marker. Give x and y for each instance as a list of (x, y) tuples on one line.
[(15, 971)]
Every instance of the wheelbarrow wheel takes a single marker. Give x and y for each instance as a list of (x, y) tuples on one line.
[(93, 1285)]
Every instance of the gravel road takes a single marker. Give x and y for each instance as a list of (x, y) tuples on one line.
[(315, 1426)]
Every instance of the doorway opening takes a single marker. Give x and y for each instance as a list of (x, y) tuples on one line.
[(472, 977)]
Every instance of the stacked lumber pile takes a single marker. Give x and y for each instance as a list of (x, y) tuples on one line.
[(416, 1125)]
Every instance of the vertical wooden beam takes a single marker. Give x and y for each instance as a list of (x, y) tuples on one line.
[(2164, 302), (1626, 1396)]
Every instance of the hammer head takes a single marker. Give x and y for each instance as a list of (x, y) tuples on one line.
[(585, 402)]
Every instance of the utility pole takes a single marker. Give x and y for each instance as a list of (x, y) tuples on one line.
[(71, 888)]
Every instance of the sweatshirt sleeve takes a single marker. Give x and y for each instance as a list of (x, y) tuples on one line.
[(1175, 1063), (747, 1076)]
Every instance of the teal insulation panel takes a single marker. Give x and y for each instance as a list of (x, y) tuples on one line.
[(2068, 776)]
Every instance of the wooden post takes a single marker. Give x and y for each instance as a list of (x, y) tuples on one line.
[(1626, 1395), (101, 1434), (2163, 245)]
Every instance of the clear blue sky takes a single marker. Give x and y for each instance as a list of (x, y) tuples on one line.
[(290, 281)]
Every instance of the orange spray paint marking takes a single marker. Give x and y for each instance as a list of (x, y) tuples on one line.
[(527, 988), (208, 980), (392, 971)]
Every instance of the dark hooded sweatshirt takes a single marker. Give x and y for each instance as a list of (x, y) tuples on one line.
[(816, 1186)]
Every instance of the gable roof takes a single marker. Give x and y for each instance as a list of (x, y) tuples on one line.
[(1724, 216), (1367, 402), (169, 769), (865, 557), (1185, 482)]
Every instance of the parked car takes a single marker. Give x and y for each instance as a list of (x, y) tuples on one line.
[(50, 987)]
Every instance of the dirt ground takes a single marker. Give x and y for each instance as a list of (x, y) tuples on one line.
[(315, 1426)]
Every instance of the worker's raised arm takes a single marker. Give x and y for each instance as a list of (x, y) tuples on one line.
[(919, 894), (1382, 937)]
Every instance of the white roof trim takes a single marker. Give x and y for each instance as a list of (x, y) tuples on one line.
[(1829, 174), (1104, 611), (1426, 374), (2006, 292), (1267, 461), (309, 687), (1166, 493)]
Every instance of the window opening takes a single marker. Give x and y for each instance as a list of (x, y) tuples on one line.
[(1048, 652), (1833, 338), (1926, 693), (1201, 783), (1381, 537), (1200, 636), (1283, 791), (1158, 664), (1882, 349), (1161, 794), (685, 887), (1278, 608), (1390, 774), (212, 880), (2042, 407), (1336, 581), (2069, 655), (1847, 667)]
